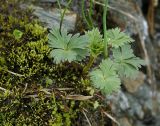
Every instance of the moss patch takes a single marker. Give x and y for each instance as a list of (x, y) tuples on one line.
[(33, 87)]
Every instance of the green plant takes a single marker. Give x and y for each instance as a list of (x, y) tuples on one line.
[(106, 78), (17, 34), (88, 18), (67, 47), (119, 60), (122, 63)]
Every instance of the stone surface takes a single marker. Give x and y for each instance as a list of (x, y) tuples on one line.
[(128, 15), (132, 85), (51, 17), (124, 122)]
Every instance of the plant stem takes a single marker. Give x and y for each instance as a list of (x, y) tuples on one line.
[(59, 5), (62, 14), (105, 28), (91, 61), (90, 13), (83, 14)]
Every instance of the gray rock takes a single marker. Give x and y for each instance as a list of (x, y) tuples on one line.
[(51, 17), (144, 92), (124, 122), (119, 102), (127, 14), (137, 110), (132, 85), (138, 123)]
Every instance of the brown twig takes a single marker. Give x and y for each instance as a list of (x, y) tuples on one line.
[(86, 118), (25, 88), (3, 89), (111, 117), (16, 74)]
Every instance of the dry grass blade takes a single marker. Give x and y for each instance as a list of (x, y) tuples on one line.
[(86, 118), (46, 91), (25, 88), (112, 118), (3, 89), (64, 89), (78, 97), (16, 74)]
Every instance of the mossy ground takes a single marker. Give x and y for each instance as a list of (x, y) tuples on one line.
[(30, 79)]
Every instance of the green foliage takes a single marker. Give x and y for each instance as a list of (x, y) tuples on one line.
[(41, 112), (95, 42), (106, 78), (126, 62), (17, 34), (66, 47), (116, 38), (28, 58)]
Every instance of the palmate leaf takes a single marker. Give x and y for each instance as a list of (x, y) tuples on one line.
[(61, 55), (105, 78), (126, 62), (95, 42), (66, 47), (116, 38)]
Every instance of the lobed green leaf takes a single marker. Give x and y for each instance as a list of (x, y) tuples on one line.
[(95, 42), (66, 47), (116, 38), (105, 78), (126, 62)]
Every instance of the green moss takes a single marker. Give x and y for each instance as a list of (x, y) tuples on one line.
[(37, 111), (23, 102)]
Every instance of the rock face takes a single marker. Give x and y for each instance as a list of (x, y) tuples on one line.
[(51, 17), (127, 14), (124, 122), (132, 85), (138, 104)]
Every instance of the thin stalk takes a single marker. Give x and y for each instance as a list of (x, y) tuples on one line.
[(90, 13), (83, 14), (59, 5), (91, 61), (105, 28), (63, 14)]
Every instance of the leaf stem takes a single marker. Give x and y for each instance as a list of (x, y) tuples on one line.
[(90, 13), (105, 28), (63, 14), (91, 61), (83, 14)]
